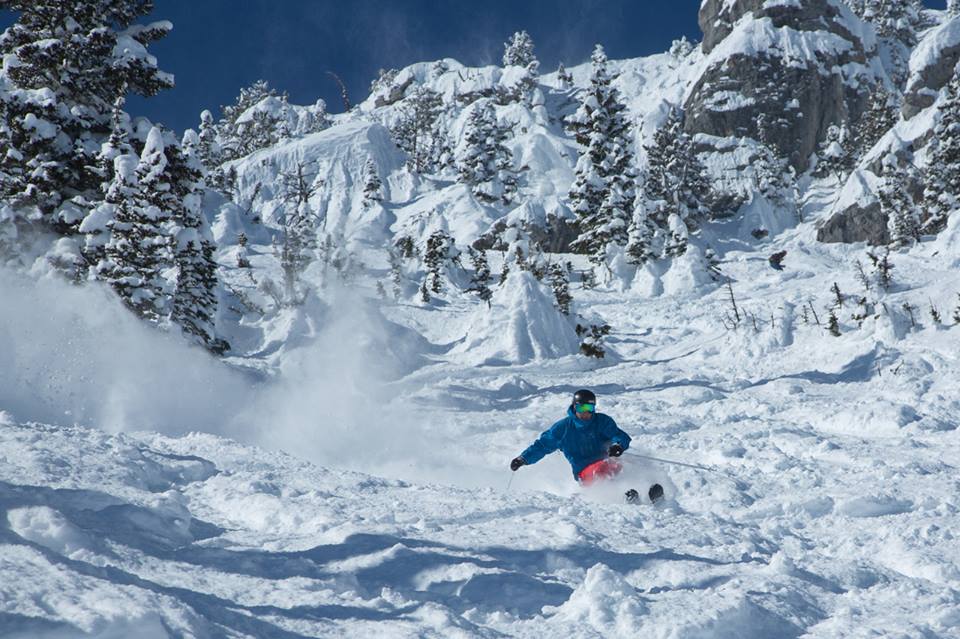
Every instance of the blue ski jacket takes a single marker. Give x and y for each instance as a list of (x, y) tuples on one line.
[(582, 442)]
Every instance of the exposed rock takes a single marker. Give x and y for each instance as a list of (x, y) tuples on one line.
[(800, 65), (553, 237), (717, 18), (857, 223), (395, 93), (931, 67)]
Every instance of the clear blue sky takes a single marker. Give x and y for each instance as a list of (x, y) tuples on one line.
[(219, 46)]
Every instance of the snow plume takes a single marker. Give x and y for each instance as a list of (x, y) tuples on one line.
[(71, 354), (333, 401)]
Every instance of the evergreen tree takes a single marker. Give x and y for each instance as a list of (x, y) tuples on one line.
[(194, 299), (372, 186), (676, 186), (417, 131), (834, 157), (94, 226), (209, 152), (283, 131), (897, 23), (139, 248), (479, 282), (833, 324), (396, 272), (593, 339), (407, 247), (241, 131), (518, 51), (898, 207), (560, 282), (63, 70), (776, 179), (603, 189), (565, 78), (439, 251), (953, 8), (299, 241), (485, 163), (942, 189), (643, 234), (878, 118), (314, 119)]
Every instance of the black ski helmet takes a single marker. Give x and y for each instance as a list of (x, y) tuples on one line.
[(584, 396)]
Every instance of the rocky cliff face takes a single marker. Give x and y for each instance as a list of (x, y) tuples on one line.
[(931, 66), (779, 72)]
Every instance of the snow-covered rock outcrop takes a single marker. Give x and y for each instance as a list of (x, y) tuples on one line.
[(804, 66)]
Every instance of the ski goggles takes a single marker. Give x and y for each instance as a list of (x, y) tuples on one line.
[(584, 408)]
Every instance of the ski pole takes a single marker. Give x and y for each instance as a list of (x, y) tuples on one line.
[(739, 484), (510, 481), (670, 461)]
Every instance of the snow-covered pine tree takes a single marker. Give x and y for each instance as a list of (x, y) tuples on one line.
[(440, 250), (64, 71), (775, 177), (485, 163), (898, 206), (313, 119), (565, 78), (518, 50), (194, 298), (603, 188), (560, 283), (94, 226), (834, 157), (209, 152), (897, 23), (395, 259), (372, 185), (642, 234), (258, 131), (953, 8), (878, 118), (898, 19), (417, 132), (242, 133), (407, 247), (283, 130), (299, 241), (480, 280), (942, 188), (676, 183), (139, 248)]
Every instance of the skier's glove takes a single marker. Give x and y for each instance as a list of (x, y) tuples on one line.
[(615, 450), (517, 463)]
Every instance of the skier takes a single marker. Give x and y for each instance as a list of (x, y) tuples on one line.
[(589, 440)]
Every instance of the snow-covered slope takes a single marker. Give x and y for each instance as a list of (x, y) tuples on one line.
[(830, 495)]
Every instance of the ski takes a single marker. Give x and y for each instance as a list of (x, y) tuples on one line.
[(655, 494)]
